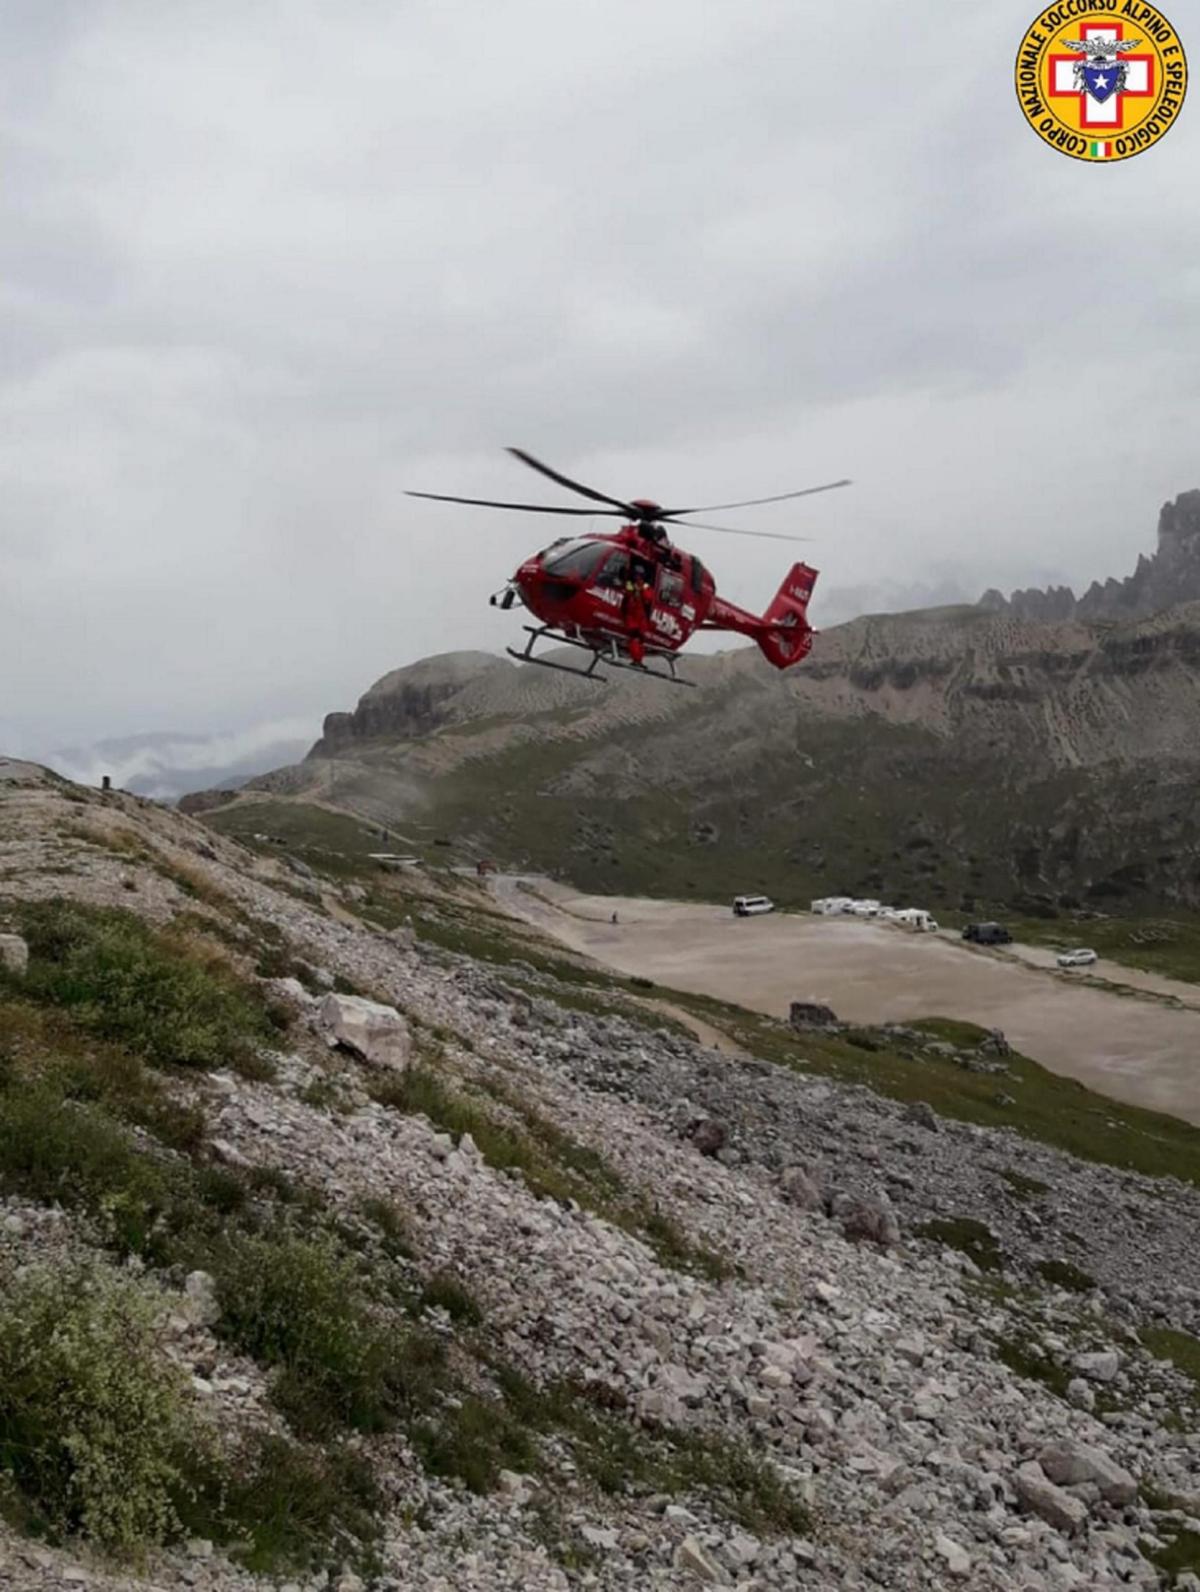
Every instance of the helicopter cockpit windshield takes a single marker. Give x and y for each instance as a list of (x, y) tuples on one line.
[(575, 560)]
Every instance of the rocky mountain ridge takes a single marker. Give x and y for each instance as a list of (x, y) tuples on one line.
[(979, 756), (1170, 575)]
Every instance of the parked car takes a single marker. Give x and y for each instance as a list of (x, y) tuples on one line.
[(1081, 958), (987, 934), (751, 906)]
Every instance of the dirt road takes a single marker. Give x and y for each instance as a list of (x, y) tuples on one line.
[(1135, 1049)]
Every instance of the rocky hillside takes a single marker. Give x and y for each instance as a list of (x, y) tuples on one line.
[(351, 1237), (1170, 575)]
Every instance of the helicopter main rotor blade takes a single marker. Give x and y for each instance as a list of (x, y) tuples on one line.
[(731, 530), (524, 508), (782, 497), (573, 486)]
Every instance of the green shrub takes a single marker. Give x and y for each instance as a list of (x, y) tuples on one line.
[(1177, 1551), (472, 1440), (622, 1458), (1023, 1186), (54, 1149), (296, 1304), (744, 1486), (971, 1237), (445, 1292), (1018, 1355), (388, 1221), (39, 1041), (284, 1505), (1065, 1275), (1180, 1348), (125, 981), (93, 1417)]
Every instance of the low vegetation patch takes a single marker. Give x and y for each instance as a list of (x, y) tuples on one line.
[(296, 1305), (970, 1237), (623, 1459), (282, 1505), (55, 1150), (1023, 1186), (42, 1042), (1178, 1553), (1064, 1274), (446, 1292), (122, 980), (1180, 1348), (1036, 1366)]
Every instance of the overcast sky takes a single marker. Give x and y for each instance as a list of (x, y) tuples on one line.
[(265, 265)]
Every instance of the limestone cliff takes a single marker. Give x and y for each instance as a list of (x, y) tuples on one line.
[(1171, 576)]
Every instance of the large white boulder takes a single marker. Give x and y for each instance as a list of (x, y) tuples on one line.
[(376, 1033), (14, 953)]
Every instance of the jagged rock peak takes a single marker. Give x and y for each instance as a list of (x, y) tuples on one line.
[(1171, 576)]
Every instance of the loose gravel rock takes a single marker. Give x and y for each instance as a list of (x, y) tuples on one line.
[(863, 1363)]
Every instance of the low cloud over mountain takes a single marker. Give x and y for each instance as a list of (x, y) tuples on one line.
[(168, 765)]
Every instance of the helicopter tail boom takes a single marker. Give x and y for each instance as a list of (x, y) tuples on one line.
[(783, 633), (786, 636)]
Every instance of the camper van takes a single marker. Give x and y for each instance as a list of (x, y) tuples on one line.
[(918, 919), (832, 906), (751, 906)]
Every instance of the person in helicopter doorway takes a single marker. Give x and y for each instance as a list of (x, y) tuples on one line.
[(639, 593)]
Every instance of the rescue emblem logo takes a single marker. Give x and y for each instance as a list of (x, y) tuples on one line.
[(1101, 81)]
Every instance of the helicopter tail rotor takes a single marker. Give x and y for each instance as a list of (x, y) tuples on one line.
[(785, 636)]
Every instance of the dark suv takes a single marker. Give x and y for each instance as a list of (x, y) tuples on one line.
[(987, 934)]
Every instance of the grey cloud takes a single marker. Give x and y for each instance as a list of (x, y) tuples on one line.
[(167, 765), (266, 266)]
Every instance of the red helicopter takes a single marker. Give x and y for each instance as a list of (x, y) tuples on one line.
[(631, 596)]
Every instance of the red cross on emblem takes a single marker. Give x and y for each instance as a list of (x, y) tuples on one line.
[(1109, 116)]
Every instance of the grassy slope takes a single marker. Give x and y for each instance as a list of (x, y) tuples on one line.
[(1166, 945)]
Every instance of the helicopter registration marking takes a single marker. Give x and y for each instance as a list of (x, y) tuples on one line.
[(666, 623)]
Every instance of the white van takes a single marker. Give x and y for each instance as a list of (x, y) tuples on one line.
[(751, 906), (917, 918)]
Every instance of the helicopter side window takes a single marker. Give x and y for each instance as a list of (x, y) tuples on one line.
[(616, 572), (698, 574), (670, 587), (577, 561)]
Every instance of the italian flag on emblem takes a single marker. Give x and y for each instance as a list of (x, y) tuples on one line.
[(1101, 151)]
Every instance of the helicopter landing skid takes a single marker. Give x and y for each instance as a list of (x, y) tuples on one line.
[(610, 659)]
